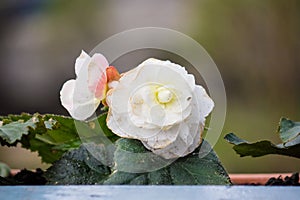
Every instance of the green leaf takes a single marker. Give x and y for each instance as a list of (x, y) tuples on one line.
[(261, 148), (12, 118), (107, 132), (49, 135), (52, 135), (97, 132), (190, 170), (132, 156), (4, 170), (75, 167), (207, 170), (289, 132), (63, 136), (288, 129), (131, 146), (58, 136), (14, 131), (80, 167), (124, 178)]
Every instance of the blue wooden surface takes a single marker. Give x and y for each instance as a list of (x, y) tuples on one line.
[(147, 192)]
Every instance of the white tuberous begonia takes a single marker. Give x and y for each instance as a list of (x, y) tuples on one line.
[(82, 96), (159, 104)]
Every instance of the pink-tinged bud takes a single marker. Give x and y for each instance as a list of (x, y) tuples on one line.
[(112, 74)]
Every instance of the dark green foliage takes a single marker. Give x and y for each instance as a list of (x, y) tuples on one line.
[(103, 157), (75, 167)]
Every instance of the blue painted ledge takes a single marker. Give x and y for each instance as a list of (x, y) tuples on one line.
[(148, 192)]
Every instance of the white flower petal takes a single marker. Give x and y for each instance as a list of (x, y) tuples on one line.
[(163, 138), (112, 84), (188, 139), (77, 109), (179, 147), (164, 73), (97, 75), (157, 72), (205, 103), (159, 104), (66, 95), (196, 141), (80, 61), (84, 111), (121, 125), (82, 96)]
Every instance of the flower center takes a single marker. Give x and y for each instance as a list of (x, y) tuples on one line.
[(163, 95)]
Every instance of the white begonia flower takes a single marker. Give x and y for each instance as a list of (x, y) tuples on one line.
[(82, 96), (159, 104)]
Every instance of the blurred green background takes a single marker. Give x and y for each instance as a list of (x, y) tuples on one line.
[(254, 43)]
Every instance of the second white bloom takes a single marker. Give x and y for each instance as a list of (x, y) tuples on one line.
[(159, 104)]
